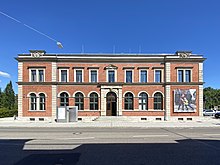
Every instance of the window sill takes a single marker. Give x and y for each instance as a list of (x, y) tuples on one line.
[(36, 110)]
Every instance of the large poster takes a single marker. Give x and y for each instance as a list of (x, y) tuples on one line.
[(185, 100)]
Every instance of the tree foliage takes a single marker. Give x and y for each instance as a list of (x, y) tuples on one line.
[(211, 97), (8, 98)]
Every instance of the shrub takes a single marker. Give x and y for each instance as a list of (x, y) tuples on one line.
[(4, 112)]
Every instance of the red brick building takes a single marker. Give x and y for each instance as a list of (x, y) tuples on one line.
[(142, 86)]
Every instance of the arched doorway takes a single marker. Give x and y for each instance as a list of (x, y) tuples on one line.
[(111, 104)]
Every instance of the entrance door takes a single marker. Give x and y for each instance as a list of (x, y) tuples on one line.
[(111, 104)]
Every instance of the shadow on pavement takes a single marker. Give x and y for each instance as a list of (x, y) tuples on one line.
[(183, 152)]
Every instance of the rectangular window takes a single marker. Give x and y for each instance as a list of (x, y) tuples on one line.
[(78, 75), (143, 76), (180, 75), (187, 75), (111, 76), (41, 75), (63, 75), (184, 75), (158, 76), (33, 75), (128, 76), (93, 76)]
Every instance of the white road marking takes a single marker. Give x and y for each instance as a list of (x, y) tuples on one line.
[(211, 134), (144, 136), (79, 138)]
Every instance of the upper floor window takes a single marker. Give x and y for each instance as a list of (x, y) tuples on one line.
[(78, 75), (184, 75), (37, 75), (33, 75), (128, 76), (41, 75), (93, 76), (64, 75), (158, 76), (143, 76), (111, 76)]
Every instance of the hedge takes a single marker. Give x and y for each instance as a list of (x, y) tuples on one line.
[(8, 113)]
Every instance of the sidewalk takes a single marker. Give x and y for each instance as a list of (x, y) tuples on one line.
[(206, 122)]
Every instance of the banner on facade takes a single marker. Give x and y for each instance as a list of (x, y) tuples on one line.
[(185, 100)]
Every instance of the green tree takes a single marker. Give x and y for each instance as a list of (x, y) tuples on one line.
[(9, 96), (1, 98), (211, 97)]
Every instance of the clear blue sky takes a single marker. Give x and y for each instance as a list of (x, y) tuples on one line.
[(158, 26)]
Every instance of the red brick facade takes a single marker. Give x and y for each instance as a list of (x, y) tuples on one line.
[(49, 67)]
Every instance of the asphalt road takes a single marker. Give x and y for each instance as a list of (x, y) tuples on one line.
[(109, 146)]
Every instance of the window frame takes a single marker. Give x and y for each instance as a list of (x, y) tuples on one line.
[(60, 77), (90, 75), (128, 103), (42, 103), (115, 75), (132, 75), (65, 103), (140, 75), (184, 75), (93, 103), (142, 103), (75, 70), (162, 101), (161, 76), (37, 74), (80, 108), (33, 103)]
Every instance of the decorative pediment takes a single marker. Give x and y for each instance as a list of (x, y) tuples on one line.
[(37, 53), (184, 54), (111, 66)]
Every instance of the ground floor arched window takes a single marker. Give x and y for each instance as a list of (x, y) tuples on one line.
[(143, 101), (64, 99), (158, 101), (93, 99), (79, 100), (129, 101)]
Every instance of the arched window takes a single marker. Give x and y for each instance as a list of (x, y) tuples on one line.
[(79, 101), (143, 101), (33, 101), (158, 101), (42, 100), (93, 98), (64, 99), (129, 101)]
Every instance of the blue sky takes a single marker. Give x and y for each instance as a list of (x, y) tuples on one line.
[(157, 26)]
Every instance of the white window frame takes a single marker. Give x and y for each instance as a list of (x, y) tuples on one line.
[(155, 75), (140, 74), (132, 79), (97, 72), (37, 102), (115, 70), (37, 74), (60, 74), (184, 74), (75, 74)]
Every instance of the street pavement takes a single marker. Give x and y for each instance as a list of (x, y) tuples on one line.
[(202, 122), (109, 146)]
